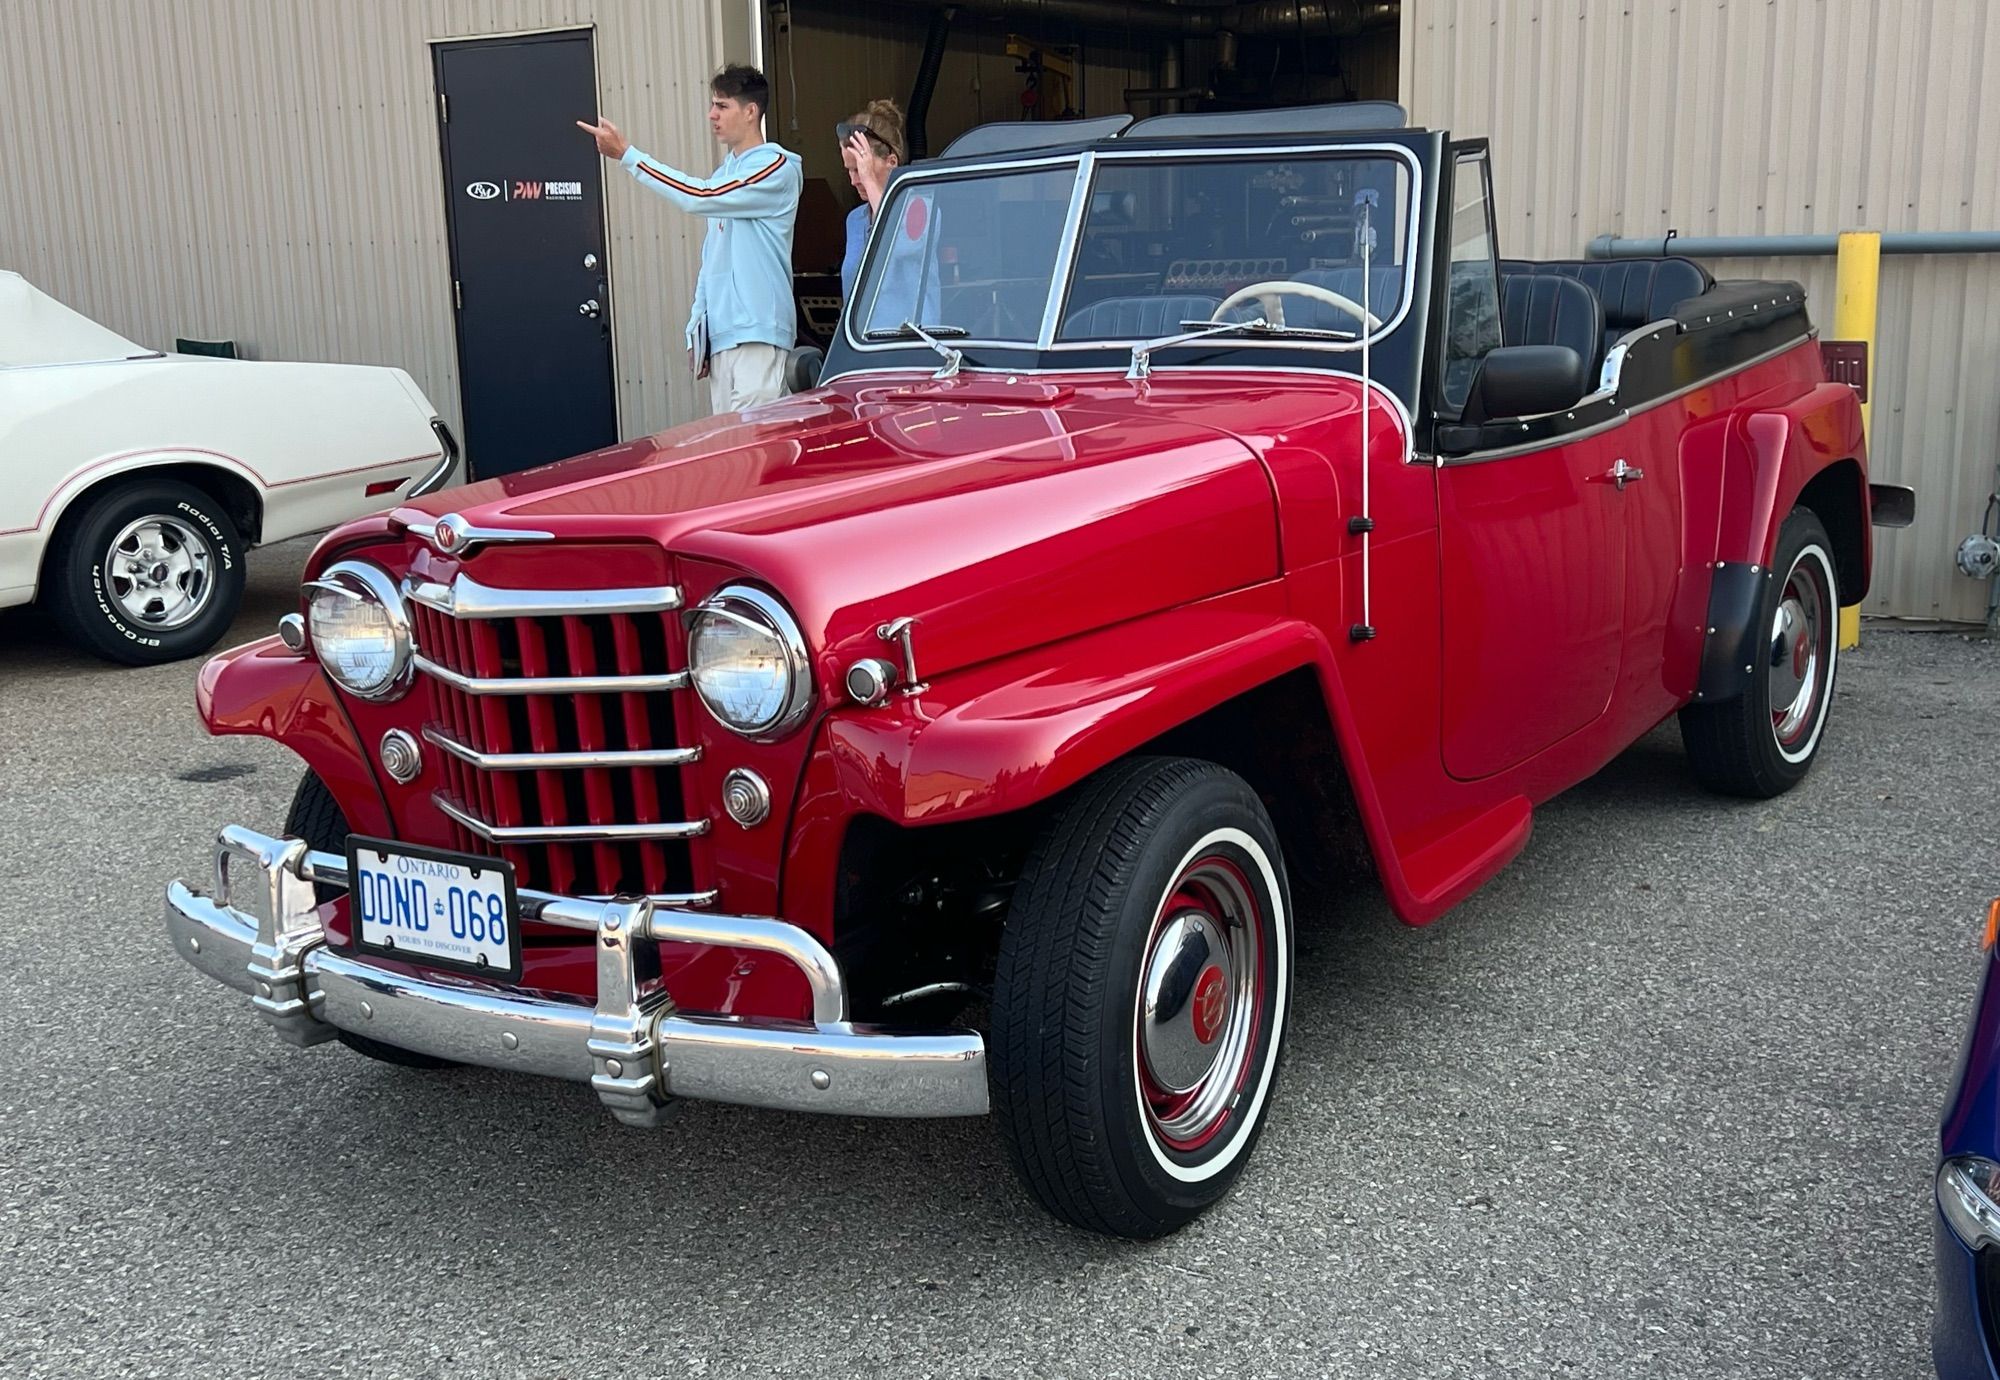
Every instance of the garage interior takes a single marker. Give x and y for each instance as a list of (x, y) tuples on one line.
[(955, 66)]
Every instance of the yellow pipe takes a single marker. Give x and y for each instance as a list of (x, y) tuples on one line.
[(1858, 273)]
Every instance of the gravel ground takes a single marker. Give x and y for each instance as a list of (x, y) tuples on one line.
[(1660, 1100)]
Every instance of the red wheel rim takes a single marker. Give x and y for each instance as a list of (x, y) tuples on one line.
[(1199, 1011)]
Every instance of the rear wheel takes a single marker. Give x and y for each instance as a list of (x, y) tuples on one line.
[(149, 571), (316, 817), (1140, 1000), (1762, 743)]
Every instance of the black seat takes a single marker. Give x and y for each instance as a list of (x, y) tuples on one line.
[(1634, 292), (1551, 309), (1137, 318)]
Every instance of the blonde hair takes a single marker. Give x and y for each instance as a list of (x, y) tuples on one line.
[(884, 119)]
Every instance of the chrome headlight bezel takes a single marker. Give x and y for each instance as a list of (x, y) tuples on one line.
[(761, 611), (371, 583)]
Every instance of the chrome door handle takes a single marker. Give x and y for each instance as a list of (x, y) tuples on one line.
[(1622, 474), (591, 309)]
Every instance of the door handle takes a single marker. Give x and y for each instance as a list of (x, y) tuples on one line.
[(1622, 474), (592, 310)]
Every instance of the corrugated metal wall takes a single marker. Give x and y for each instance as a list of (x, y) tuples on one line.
[(268, 171), (1774, 117)]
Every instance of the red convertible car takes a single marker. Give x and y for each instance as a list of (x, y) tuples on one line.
[(1184, 504)]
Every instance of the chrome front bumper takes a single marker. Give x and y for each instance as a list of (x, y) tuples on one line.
[(638, 1052)]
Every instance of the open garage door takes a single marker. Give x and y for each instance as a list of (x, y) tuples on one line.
[(954, 66)]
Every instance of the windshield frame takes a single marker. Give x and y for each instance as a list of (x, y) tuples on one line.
[(1062, 279)]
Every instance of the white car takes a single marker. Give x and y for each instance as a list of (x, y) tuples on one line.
[(132, 482)]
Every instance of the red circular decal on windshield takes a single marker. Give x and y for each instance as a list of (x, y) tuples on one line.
[(916, 218)]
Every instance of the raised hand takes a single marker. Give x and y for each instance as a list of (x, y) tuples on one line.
[(610, 142), (871, 169)]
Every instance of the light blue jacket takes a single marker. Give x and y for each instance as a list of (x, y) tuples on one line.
[(745, 286)]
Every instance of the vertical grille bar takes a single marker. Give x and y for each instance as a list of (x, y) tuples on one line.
[(544, 737), (639, 734), (598, 803), (498, 791)]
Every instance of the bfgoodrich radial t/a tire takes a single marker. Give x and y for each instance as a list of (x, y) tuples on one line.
[(1762, 743), (148, 571), (1141, 996)]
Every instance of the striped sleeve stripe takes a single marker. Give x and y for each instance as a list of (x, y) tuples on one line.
[(692, 190)]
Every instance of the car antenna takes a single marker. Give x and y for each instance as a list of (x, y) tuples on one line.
[(1365, 202)]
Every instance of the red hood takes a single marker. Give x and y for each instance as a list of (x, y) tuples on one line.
[(1000, 514)]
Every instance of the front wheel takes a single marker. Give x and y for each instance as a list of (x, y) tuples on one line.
[(1140, 1000), (317, 818), (1762, 743)]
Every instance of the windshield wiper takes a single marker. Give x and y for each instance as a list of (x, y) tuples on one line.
[(1191, 331), (1262, 327), (910, 330)]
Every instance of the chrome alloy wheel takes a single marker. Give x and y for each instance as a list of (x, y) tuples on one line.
[(160, 571), (1801, 660), (1200, 1004)]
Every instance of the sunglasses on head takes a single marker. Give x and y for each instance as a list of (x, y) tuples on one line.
[(847, 129)]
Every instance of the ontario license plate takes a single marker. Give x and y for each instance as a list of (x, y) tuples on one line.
[(437, 908)]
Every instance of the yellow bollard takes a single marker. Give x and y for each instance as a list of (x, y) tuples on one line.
[(1857, 274)]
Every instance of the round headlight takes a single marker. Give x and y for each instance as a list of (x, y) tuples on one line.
[(359, 629), (748, 662)]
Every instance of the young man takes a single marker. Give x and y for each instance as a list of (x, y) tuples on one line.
[(744, 324)]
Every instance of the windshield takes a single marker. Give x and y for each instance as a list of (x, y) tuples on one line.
[(976, 255), (1164, 241)]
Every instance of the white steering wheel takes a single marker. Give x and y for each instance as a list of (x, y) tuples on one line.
[(1269, 296)]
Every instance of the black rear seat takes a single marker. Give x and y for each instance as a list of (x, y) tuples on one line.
[(1633, 292)]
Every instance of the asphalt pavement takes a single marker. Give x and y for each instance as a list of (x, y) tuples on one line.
[(1659, 1101)]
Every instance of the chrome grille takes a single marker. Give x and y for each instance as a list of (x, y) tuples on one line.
[(554, 718)]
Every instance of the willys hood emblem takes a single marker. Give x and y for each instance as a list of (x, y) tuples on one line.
[(452, 535)]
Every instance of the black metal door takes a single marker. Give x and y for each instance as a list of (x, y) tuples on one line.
[(525, 207)]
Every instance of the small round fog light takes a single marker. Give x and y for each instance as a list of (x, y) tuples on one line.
[(746, 797), (401, 757), (869, 680)]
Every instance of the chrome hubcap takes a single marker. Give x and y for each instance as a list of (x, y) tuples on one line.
[(161, 572), (1186, 1002), (1199, 1003), (1798, 659)]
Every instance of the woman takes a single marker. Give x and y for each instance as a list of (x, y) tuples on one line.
[(872, 149)]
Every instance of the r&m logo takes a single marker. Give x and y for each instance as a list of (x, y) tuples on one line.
[(482, 191)]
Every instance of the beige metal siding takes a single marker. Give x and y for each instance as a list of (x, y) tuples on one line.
[(1774, 117), (269, 172)]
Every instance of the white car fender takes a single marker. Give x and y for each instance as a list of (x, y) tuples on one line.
[(316, 444)]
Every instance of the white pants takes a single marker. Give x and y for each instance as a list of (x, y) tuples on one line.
[(744, 376)]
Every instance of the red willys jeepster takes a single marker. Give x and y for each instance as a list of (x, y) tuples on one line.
[(1183, 504)]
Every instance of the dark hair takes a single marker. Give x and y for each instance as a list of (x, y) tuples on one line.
[(740, 83)]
